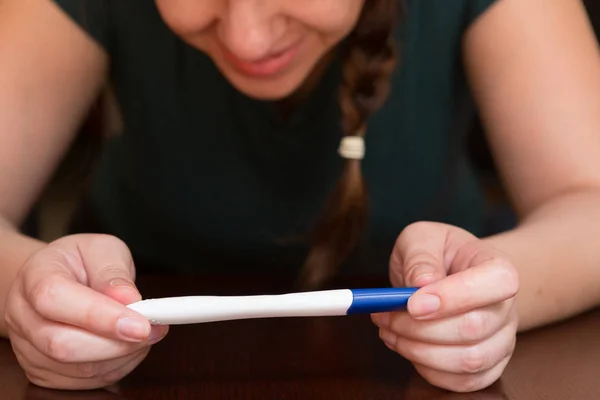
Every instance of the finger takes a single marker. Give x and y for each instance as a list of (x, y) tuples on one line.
[(418, 256), (51, 380), (494, 281), (462, 383), (419, 388), (68, 344), (110, 268), (72, 345), (423, 251), (104, 263), (80, 370), (471, 327), (59, 298), (458, 359)]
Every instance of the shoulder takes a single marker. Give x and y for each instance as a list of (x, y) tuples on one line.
[(533, 66), (437, 28), (430, 34), (105, 20), (444, 15)]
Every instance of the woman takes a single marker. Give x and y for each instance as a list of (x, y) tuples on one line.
[(233, 115)]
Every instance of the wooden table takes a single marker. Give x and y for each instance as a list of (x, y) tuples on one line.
[(318, 358)]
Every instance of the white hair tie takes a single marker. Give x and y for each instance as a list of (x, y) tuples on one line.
[(352, 147)]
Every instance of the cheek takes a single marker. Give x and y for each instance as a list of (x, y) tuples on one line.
[(188, 17), (333, 18)]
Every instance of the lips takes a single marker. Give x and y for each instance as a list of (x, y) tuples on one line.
[(266, 67)]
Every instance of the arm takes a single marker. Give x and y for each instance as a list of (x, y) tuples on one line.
[(50, 78), (534, 67)]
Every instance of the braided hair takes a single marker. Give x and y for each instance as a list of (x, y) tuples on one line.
[(368, 62)]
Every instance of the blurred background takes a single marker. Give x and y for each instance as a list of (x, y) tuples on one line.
[(48, 220)]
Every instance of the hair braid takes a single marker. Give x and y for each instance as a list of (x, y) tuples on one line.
[(368, 63)]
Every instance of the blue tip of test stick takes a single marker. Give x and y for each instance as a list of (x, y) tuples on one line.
[(368, 301)]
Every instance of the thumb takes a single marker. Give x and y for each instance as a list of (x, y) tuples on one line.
[(418, 256), (109, 267)]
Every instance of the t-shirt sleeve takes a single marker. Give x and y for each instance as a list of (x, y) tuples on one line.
[(93, 16), (477, 7)]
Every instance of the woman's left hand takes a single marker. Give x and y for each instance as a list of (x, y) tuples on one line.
[(460, 328)]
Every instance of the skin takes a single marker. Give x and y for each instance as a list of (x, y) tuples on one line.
[(255, 29), (534, 68)]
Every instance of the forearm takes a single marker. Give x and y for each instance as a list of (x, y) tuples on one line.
[(556, 250), (15, 249)]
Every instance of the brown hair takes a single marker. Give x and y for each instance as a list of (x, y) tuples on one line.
[(368, 63)]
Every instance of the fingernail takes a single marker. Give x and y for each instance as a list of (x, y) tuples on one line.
[(156, 334), (126, 286), (134, 329), (120, 282), (422, 275), (389, 338), (422, 305)]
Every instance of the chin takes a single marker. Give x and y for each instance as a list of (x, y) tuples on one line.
[(268, 89)]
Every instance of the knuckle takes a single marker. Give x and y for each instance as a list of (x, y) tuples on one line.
[(458, 384), (418, 227), (473, 326), (509, 277), (23, 361), (470, 383), (88, 370), (129, 365), (8, 319), (36, 375), (411, 351), (113, 376), (472, 360), (512, 346), (36, 379), (56, 348), (13, 311), (388, 338), (103, 241), (411, 230), (466, 286), (44, 292)]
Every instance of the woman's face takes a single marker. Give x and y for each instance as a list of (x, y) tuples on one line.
[(265, 48)]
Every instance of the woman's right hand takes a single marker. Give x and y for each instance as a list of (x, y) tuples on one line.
[(66, 314)]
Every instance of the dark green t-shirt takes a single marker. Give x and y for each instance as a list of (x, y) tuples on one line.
[(205, 173)]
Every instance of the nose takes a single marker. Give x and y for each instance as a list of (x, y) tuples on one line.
[(251, 28)]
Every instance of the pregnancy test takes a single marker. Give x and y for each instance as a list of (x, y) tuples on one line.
[(200, 309)]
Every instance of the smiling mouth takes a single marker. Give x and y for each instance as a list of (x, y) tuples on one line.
[(267, 67)]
